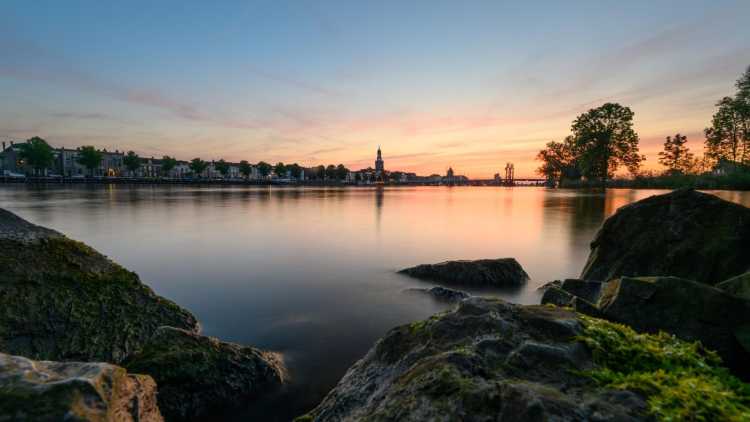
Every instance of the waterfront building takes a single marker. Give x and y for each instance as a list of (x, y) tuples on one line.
[(379, 166)]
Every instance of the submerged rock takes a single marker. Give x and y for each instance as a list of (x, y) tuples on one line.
[(690, 310), (442, 293), (738, 286), (503, 272), (62, 300), (485, 360), (74, 391), (683, 234), (196, 374)]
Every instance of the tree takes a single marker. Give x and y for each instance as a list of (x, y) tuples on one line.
[(37, 153), (330, 172), (222, 167), (559, 161), (197, 166), (295, 170), (245, 169), (341, 172), (90, 158), (264, 168), (605, 139), (676, 157), (167, 164), (132, 162), (280, 169), (728, 138), (320, 172)]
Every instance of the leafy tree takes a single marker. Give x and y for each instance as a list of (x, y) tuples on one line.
[(559, 161), (605, 139), (198, 166), (330, 172), (264, 168), (728, 137), (90, 158), (37, 153), (341, 172), (245, 168), (295, 169), (279, 169), (167, 164), (320, 172), (132, 162), (676, 157), (222, 167)]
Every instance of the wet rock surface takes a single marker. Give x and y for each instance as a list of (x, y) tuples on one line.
[(74, 391), (442, 294), (683, 233), (62, 300), (485, 360), (197, 374), (503, 272)]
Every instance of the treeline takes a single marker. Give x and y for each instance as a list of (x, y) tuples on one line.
[(603, 140)]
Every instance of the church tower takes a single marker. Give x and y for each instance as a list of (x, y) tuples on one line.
[(379, 166)]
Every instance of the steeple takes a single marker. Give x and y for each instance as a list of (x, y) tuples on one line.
[(379, 165)]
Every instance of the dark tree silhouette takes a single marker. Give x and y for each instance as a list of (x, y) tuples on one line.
[(132, 162), (676, 157), (198, 166), (37, 153), (90, 158)]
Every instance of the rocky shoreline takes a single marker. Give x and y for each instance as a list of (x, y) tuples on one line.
[(656, 328)]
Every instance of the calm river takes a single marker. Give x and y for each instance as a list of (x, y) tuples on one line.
[(311, 272)]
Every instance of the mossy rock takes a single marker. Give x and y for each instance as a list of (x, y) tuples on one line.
[(74, 391), (502, 272), (197, 374), (62, 300), (738, 286)]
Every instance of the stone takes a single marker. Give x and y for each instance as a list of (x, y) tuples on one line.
[(74, 391), (503, 272), (738, 286), (443, 294), (197, 374), (486, 360), (62, 300), (683, 233)]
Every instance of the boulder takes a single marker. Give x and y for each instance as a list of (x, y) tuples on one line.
[(690, 310), (503, 272), (197, 374), (74, 391), (62, 300), (443, 294), (485, 360), (738, 286), (684, 234)]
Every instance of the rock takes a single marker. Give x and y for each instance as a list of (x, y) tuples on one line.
[(486, 360), (196, 374), (684, 234), (62, 300), (442, 293), (738, 286), (690, 310), (503, 272), (74, 391)]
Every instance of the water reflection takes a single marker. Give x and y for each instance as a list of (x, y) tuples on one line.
[(311, 272)]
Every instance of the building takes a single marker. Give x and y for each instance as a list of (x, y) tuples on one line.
[(379, 166)]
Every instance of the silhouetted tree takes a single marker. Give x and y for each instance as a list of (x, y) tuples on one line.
[(167, 164), (605, 139), (676, 157), (320, 172), (331, 172), (279, 169), (245, 168), (198, 166), (222, 167), (90, 158), (264, 168), (559, 161), (341, 172), (37, 153), (132, 162), (295, 170)]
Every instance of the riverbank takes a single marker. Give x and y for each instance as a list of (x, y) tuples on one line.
[(737, 181)]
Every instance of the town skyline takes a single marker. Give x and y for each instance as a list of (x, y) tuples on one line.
[(211, 79)]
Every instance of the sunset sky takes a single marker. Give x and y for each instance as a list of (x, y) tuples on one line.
[(466, 84)]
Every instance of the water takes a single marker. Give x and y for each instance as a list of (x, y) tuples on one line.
[(311, 272)]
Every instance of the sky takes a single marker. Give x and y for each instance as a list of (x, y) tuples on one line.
[(467, 84)]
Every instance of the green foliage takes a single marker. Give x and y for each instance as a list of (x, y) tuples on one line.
[(264, 168), (559, 161), (198, 166), (89, 157), (245, 168), (222, 167), (605, 139), (279, 169), (676, 157), (728, 137), (132, 161), (37, 153), (680, 380), (167, 164)]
